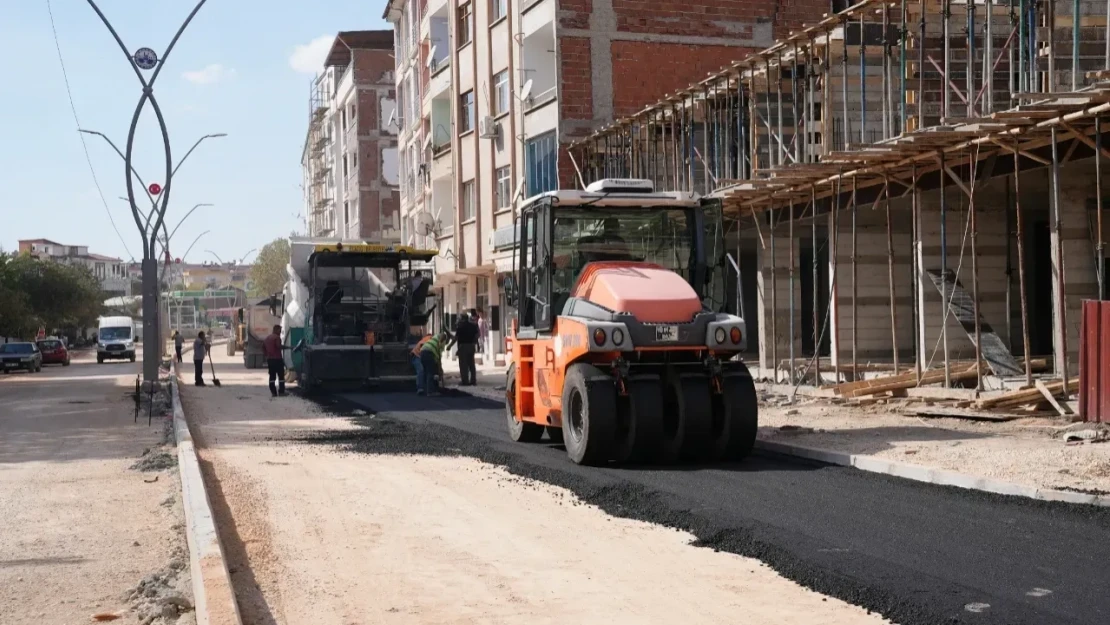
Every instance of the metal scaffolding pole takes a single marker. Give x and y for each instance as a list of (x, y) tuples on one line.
[(890, 276), (790, 264), (946, 13), (862, 84), (834, 299), (975, 274), (915, 206), (970, 68), (1057, 223), (944, 269), (855, 279), (774, 297), (778, 91), (844, 85), (816, 290), (1100, 250), (1019, 221)]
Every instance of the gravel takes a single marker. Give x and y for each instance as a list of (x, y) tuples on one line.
[(157, 460), (383, 435)]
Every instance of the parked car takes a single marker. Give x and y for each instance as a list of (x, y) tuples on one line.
[(14, 356), (54, 352)]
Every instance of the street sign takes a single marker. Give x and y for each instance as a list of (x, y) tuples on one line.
[(146, 58), (155, 188)]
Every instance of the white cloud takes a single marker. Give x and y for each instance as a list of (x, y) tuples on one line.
[(308, 58), (211, 74)]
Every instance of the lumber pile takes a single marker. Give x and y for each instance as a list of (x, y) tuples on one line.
[(1031, 397), (903, 381)]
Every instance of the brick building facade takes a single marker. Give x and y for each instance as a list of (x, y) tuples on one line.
[(350, 154)]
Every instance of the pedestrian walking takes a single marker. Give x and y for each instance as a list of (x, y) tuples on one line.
[(431, 354), (200, 350), (417, 365), (275, 361), (466, 336), (178, 343)]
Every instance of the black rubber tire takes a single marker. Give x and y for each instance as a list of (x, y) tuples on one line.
[(589, 414), (99, 360), (65, 364), (554, 434), (689, 418), (519, 431), (735, 416), (639, 431), (132, 359)]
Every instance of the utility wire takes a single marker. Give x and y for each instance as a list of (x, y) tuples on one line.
[(77, 121)]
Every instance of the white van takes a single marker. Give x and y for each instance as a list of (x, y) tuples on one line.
[(115, 338)]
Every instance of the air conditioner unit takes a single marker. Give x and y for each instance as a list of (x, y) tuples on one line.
[(487, 128)]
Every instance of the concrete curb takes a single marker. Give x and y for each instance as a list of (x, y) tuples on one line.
[(929, 475), (213, 594)]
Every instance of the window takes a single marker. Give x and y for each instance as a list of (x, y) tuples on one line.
[(466, 112), (496, 10), (347, 213), (501, 92), (343, 117), (346, 172), (465, 18), (504, 188), (468, 201), (539, 160), (351, 115)]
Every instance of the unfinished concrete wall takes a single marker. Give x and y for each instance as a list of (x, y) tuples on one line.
[(1077, 276), (875, 340), (991, 244)]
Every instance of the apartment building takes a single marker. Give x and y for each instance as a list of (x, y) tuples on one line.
[(349, 160), (491, 93), (110, 271)]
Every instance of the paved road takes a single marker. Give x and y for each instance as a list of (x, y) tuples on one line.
[(912, 552)]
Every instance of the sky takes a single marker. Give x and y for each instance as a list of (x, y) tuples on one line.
[(242, 67)]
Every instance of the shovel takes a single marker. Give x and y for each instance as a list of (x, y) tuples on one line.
[(212, 364)]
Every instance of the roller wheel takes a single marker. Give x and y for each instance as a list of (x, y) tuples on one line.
[(519, 431), (688, 421), (639, 430), (735, 416), (589, 414), (304, 379), (554, 434)]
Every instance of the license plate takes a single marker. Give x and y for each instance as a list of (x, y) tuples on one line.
[(666, 333)]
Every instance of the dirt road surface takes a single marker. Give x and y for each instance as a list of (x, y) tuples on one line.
[(323, 537), (78, 528)]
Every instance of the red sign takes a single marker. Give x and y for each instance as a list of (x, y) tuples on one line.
[(155, 188)]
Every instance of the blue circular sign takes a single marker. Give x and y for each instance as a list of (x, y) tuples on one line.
[(146, 58)]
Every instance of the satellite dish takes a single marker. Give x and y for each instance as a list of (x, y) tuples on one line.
[(425, 223), (526, 90), (431, 56)]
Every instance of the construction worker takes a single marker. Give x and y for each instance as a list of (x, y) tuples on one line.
[(417, 365), (466, 335), (430, 354), (275, 361), (200, 350)]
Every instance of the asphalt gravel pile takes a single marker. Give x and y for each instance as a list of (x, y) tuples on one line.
[(381, 434), (156, 460)]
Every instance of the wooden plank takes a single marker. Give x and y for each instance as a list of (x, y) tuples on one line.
[(994, 351), (1050, 398), (1026, 396), (961, 413)]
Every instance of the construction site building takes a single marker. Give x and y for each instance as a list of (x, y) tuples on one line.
[(914, 186)]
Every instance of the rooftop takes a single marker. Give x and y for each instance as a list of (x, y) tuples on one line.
[(345, 41)]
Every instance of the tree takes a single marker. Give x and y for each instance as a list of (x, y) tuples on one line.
[(42, 293), (268, 270)]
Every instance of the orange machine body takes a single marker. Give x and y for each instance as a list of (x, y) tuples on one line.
[(648, 291)]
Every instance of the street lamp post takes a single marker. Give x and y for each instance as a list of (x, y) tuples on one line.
[(142, 60)]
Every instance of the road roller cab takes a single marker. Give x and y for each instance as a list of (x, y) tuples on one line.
[(622, 349)]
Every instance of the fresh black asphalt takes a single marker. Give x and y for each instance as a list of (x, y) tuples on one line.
[(915, 553)]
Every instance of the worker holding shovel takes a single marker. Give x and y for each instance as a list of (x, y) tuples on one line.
[(200, 350), (430, 354)]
